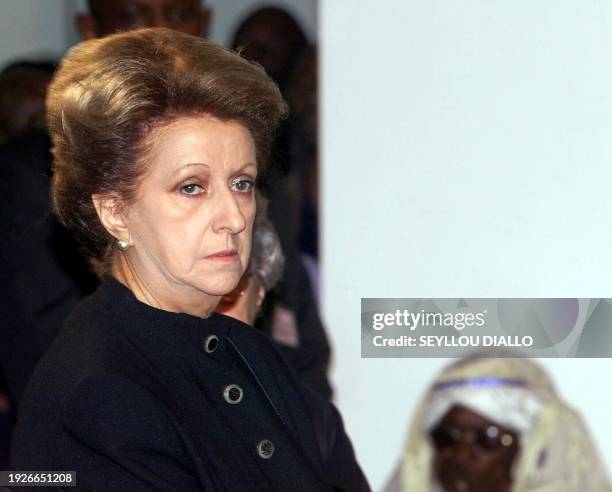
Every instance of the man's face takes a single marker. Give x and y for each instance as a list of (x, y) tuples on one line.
[(271, 38), (264, 43), (110, 16), (472, 453)]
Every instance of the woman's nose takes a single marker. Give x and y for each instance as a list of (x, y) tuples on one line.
[(228, 214)]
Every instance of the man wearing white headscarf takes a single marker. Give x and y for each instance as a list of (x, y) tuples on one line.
[(515, 419)]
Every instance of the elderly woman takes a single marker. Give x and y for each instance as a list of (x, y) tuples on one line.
[(498, 424), (158, 139)]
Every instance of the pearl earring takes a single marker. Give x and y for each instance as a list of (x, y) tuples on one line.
[(123, 245)]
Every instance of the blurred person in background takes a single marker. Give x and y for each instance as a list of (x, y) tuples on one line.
[(43, 276), (110, 16), (302, 96), (23, 86), (498, 424), (273, 38)]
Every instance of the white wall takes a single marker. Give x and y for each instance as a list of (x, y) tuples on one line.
[(32, 29), (467, 151)]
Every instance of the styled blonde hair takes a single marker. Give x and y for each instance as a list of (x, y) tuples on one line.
[(110, 93)]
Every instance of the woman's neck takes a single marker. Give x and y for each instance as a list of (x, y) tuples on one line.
[(158, 293)]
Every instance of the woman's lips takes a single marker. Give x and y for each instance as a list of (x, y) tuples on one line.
[(227, 255)]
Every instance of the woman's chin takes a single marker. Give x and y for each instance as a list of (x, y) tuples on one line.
[(219, 288)]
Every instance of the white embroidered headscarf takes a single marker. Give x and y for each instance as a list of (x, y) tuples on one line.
[(557, 453)]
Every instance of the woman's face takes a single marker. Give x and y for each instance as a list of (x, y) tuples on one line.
[(190, 223), (472, 453)]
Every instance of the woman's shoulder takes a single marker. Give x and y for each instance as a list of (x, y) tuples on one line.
[(87, 351), (105, 428), (105, 408), (110, 302), (88, 344)]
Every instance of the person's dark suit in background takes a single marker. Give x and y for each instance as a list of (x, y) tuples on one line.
[(43, 276), (23, 86)]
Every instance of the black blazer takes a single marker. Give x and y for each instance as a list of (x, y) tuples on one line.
[(134, 398)]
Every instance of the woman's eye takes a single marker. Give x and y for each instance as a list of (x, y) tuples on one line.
[(242, 185), (192, 189)]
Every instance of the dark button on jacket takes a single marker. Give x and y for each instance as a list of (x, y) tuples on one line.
[(135, 398)]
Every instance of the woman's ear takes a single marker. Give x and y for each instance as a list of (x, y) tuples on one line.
[(112, 215)]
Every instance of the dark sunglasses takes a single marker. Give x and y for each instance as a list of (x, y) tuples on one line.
[(489, 438)]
